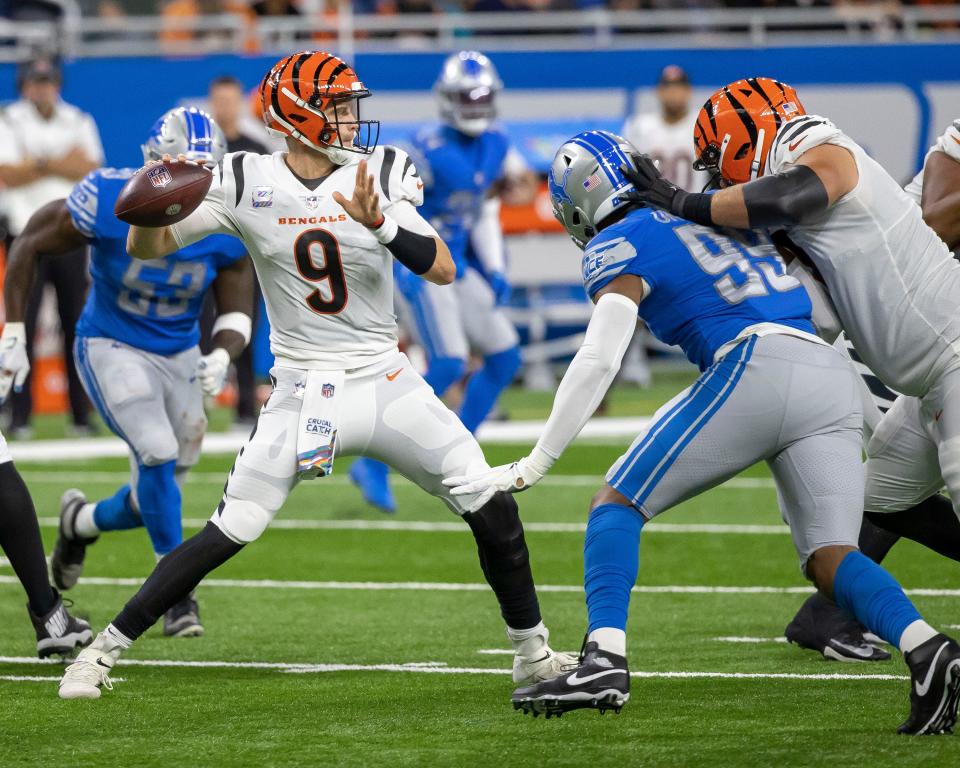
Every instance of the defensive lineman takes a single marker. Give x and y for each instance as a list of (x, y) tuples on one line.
[(136, 348), (341, 386), (461, 165), (770, 389)]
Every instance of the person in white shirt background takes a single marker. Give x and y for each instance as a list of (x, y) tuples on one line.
[(46, 146), (667, 136)]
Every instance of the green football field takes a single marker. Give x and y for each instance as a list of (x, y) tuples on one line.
[(343, 637)]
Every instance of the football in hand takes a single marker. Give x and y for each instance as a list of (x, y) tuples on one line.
[(162, 194)]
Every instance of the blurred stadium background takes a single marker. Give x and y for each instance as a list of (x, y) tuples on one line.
[(884, 71)]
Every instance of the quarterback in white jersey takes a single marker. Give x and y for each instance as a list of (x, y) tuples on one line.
[(323, 223)]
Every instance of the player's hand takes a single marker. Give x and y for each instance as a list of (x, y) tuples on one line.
[(501, 288), (511, 478), (364, 206), (651, 188), (212, 371), (14, 363)]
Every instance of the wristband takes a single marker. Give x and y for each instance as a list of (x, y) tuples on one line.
[(386, 231), (692, 206), (238, 322)]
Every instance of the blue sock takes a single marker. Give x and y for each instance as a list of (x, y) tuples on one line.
[(866, 590), (485, 386), (159, 498), (611, 559), (442, 372), (117, 512)]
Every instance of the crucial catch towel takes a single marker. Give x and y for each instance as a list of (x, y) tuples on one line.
[(317, 431)]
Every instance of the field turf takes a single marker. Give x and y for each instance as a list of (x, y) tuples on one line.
[(339, 640)]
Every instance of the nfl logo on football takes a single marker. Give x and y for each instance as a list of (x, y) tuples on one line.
[(327, 390), (159, 176)]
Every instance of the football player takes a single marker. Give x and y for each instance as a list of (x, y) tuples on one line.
[(893, 282), (727, 301), (461, 166), (323, 222), (136, 348), (57, 631), (903, 473)]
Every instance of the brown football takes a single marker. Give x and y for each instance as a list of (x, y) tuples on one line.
[(158, 195)]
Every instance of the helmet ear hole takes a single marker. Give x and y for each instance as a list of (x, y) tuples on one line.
[(589, 231)]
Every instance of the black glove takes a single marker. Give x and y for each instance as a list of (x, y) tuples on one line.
[(654, 190)]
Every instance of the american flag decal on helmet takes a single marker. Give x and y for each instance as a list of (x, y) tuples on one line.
[(591, 182)]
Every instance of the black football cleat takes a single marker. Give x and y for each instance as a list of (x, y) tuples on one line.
[(934, 686), (66, 562), (59, 633), (183, 619), (601, 682), (821, 625)]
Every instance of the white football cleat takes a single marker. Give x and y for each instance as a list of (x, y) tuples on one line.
[(548, 665), (84, 678)]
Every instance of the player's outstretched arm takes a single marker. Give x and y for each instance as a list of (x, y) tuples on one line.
[(49, 231), (941, 197), (424, 255), (233, 291), (586, 381), (820, 177), (150, 242)]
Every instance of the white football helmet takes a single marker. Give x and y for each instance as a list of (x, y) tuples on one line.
[(467, 90)]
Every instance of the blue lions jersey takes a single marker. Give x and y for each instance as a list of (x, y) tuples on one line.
[(151, 305), (457, 171), (706, 286)]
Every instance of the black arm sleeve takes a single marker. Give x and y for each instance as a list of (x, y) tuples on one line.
[(416, 252), (787, 198)]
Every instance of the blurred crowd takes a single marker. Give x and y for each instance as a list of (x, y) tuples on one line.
[(252, 9)]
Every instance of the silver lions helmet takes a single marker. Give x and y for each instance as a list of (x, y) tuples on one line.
[(467, 89), (586, 183), (186, 131)]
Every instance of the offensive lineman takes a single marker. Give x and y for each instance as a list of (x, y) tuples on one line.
[(341, 386), (903, 474), (461, 165), (769, 389), (892, 280), (136, 348)]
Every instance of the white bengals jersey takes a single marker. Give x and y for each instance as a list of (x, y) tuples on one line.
[(949, 144), (671, 144), (327, 282), (894, 283)]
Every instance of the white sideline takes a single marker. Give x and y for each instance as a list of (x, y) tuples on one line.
[(230, 442), (440, 668), (451, 586), (424, 526)]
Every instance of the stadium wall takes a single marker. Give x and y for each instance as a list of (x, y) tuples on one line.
[(893, 98)]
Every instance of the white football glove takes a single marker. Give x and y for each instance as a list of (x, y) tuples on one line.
[(511, 478), (14, 363), (212, 371)]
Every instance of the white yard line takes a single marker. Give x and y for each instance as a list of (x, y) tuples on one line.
[(448, 586), (54, 477), (440, 668), (456, 526), (780, 639)]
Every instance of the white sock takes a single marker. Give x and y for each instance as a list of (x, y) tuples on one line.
[(83, 524), (610, 640), (112, 642), (915, 635), (528, 642)]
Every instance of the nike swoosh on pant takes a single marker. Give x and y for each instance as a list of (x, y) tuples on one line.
[(922, 689), (575, 679)]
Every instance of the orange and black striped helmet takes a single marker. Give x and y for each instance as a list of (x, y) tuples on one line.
[(736, 126), (299, 96)]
